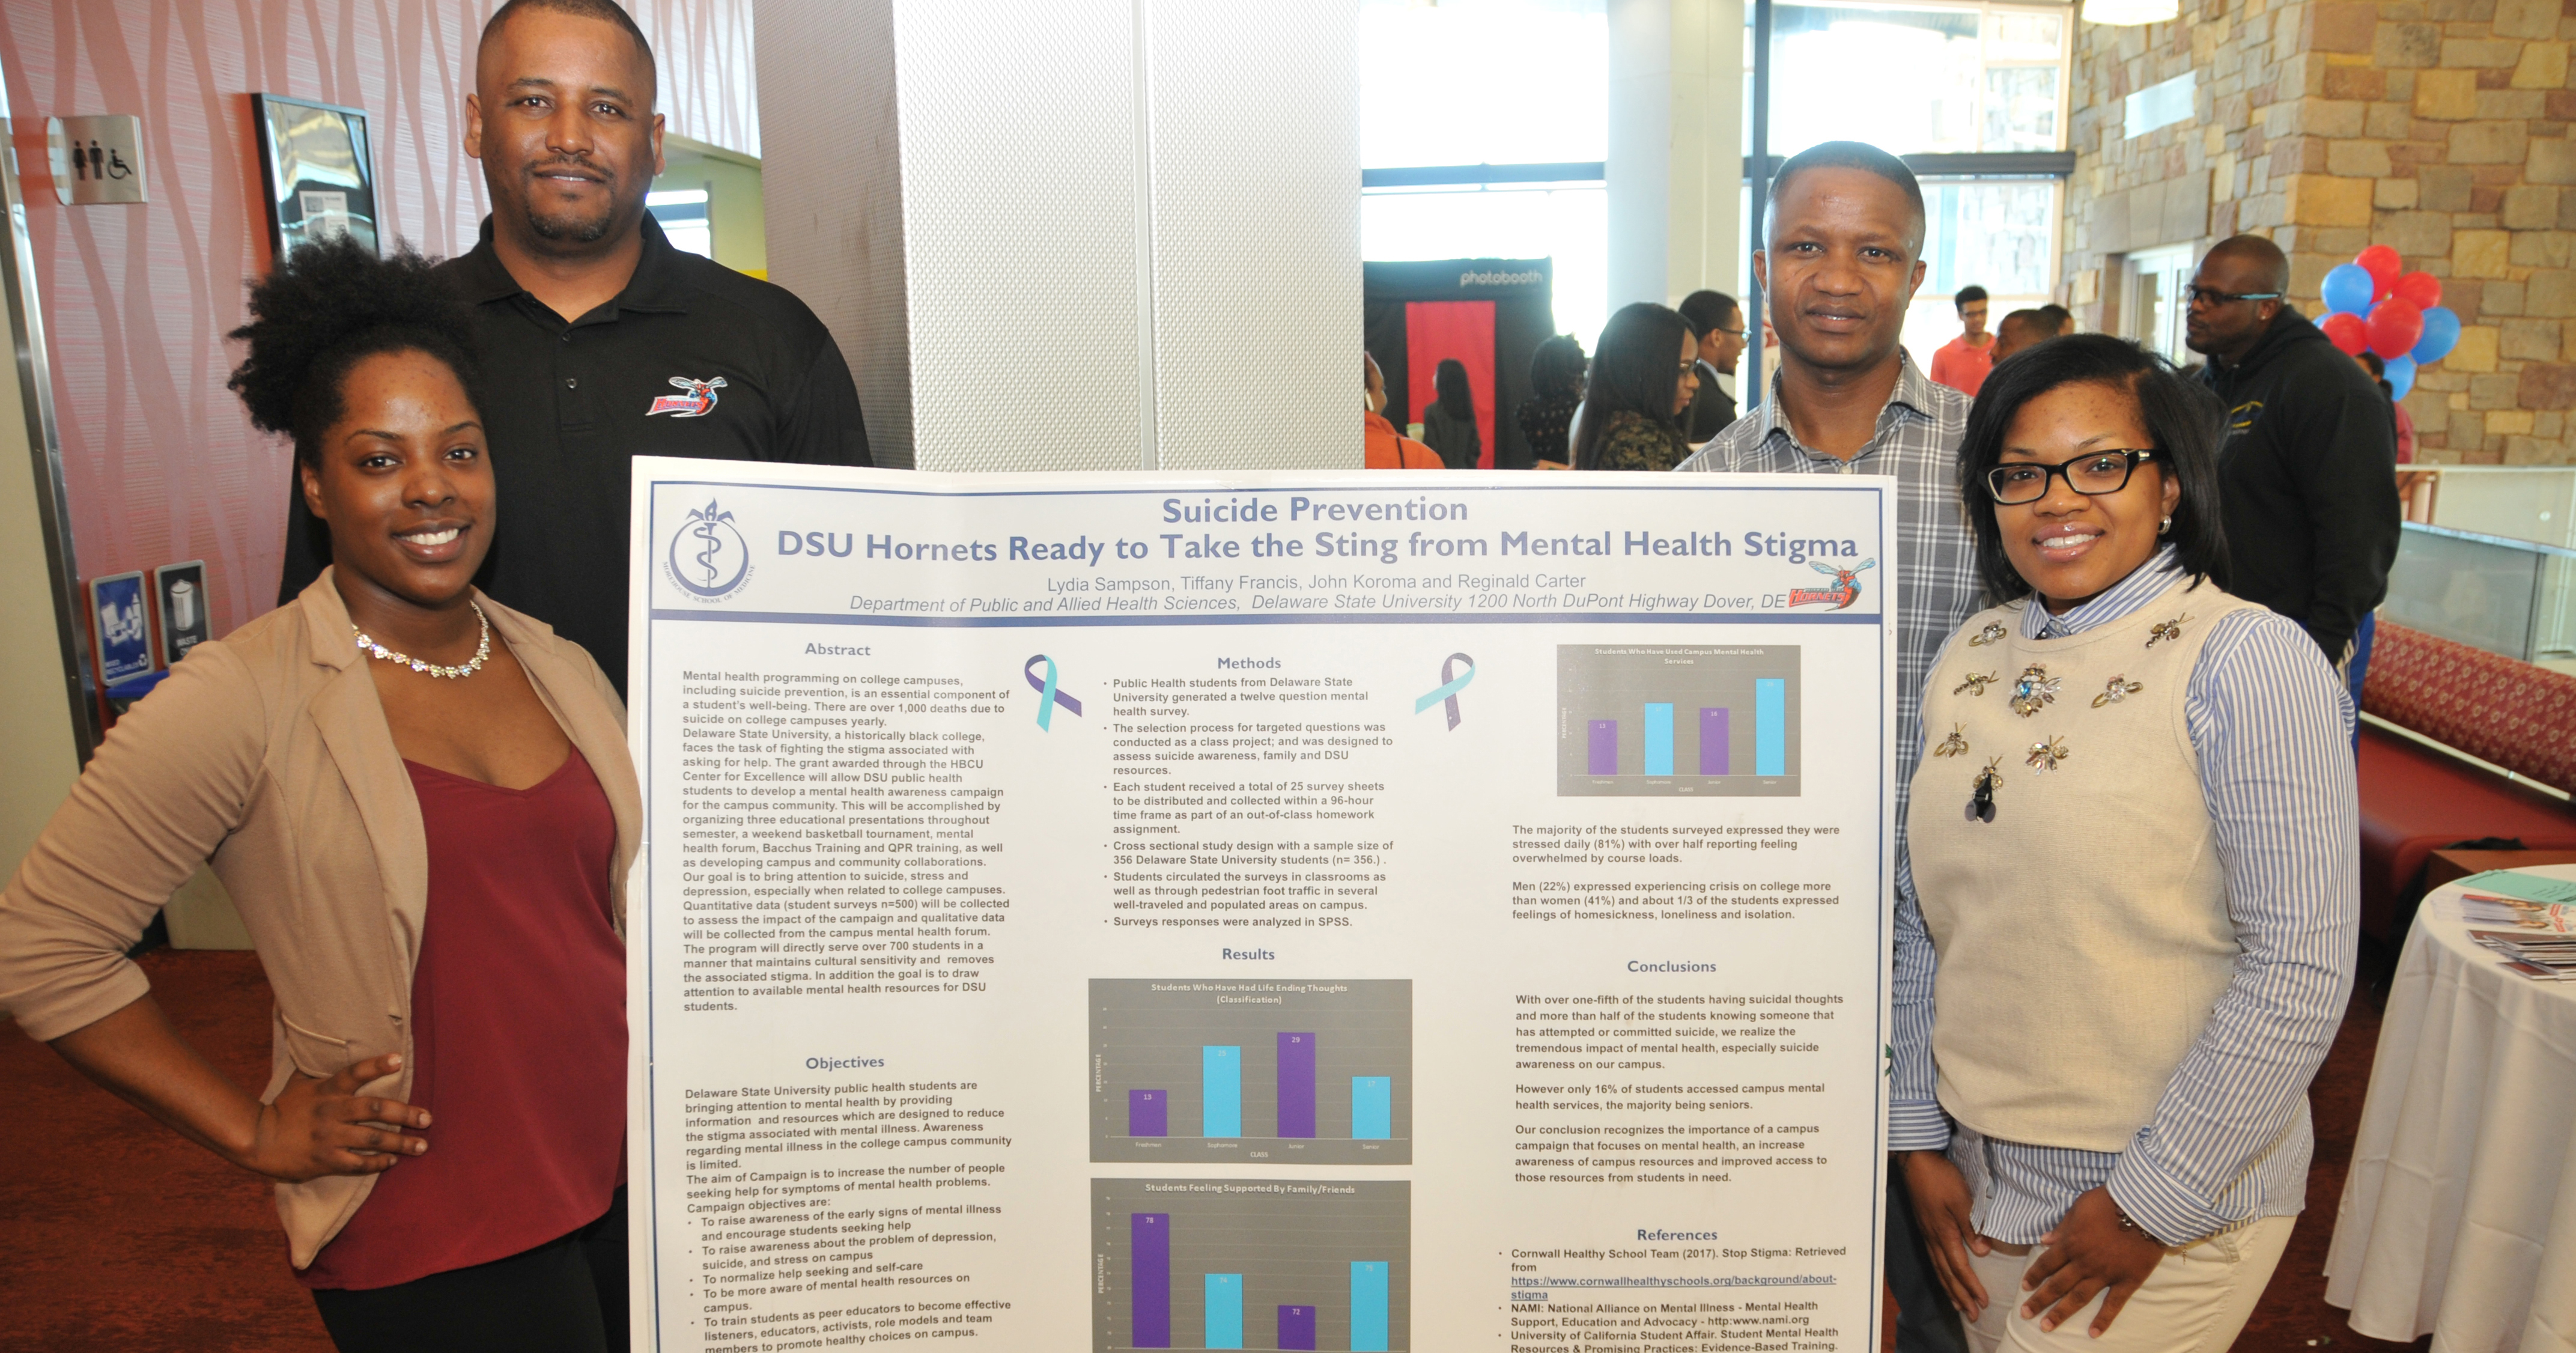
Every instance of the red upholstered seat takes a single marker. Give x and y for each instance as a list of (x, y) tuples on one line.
[(2416, 800)]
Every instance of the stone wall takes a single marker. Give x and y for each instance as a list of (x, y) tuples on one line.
[(2439, 127)]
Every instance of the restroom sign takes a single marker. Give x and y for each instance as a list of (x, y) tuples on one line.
[(96, 159)]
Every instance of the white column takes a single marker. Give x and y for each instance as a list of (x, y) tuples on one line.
[(1676, 148), (1102, 234)]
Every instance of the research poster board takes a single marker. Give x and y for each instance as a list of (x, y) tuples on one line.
[(1354, 911)]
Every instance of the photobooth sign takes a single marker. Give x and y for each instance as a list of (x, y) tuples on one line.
[(1324, 911)]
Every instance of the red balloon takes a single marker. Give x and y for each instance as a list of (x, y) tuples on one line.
[(2383, 265), (2421, 290), (2394, 326), (2347, 332)]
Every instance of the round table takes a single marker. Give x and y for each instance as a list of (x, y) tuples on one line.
[(2459, 1214)]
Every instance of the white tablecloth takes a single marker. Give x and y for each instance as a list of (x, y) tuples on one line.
[(2459, 1215)]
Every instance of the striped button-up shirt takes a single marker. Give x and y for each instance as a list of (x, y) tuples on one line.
[(2230, 1139), (1917, 441)]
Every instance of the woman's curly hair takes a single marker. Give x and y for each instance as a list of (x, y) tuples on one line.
[(330, 305)]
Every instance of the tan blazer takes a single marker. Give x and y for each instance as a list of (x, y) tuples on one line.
[(266, 754)]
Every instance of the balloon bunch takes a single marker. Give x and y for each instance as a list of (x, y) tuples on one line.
[(2374, 306)]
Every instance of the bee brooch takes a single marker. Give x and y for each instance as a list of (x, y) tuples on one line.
[(2035, 688), (2120, 689)]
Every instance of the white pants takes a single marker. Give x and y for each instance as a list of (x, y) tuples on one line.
[(2196, 1301)]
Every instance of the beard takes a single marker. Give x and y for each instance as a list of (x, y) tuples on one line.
[(573, 227), (572, 224)]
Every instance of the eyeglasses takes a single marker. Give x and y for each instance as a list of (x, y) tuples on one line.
[(2092, 474), (2208, 297), (1732, 333)]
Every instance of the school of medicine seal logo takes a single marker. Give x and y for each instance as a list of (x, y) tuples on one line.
[(708, 557), (697, 403)]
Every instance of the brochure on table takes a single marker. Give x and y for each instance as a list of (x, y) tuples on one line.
[(1276, 911)]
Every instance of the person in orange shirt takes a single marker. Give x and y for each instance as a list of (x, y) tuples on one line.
[(1386, 448), (1962, 363)]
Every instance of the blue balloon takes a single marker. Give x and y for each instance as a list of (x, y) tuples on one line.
[(2441, 334), (2400, 373), (2348, 289)]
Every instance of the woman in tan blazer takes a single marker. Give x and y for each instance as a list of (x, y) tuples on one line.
[(422, 805)]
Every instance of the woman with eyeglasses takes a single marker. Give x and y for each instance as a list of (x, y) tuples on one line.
[(2127, 896), (1643, 375)]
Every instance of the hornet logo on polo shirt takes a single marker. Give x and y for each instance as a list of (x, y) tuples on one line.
[(697, 403), (707, 556)]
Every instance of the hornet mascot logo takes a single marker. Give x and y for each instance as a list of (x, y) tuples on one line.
[(697, 403), (708, 557), (1841, 595)]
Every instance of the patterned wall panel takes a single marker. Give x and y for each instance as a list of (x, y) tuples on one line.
[(1256, 233), (832, 182), (1019, 208), (160, 462)]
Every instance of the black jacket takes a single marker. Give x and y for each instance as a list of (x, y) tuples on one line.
[(1710, 410), (2307, 481)]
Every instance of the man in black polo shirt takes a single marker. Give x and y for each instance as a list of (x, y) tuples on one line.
[(599, 341)]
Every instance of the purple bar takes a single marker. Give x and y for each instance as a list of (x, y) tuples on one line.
[(1712, 741), (1297, 1327), (1296, 1085), (1146, 1116), (1149, 1279), (1605, 746)]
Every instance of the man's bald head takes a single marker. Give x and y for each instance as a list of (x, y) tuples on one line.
[(2263, 258)]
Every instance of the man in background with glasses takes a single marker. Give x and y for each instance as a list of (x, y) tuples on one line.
[(2308, 473), (1719, 322)]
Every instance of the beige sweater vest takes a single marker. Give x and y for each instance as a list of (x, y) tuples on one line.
[(2083, 934)]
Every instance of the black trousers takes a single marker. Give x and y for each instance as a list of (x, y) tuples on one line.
[(565, 1296)]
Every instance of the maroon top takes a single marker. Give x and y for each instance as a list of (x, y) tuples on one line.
[(518, 1035)]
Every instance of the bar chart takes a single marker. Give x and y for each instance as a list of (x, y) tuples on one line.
[(1667, 720), (1238, 1071), (1188, 1264)]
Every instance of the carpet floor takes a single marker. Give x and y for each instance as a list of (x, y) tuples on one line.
[(118, 1236)]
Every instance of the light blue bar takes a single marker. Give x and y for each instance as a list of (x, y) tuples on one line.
[(1770, 726), (1372, 1108), (1368, 1308), (1220, 1092), (1225, 1310), (1659, 739)]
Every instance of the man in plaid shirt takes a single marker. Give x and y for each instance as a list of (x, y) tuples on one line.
[(1842, 257)]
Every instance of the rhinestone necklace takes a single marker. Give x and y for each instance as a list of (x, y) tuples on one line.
[(482, 651)]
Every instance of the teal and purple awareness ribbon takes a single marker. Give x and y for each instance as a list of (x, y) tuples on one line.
[(1450, 685), (1048, 696)]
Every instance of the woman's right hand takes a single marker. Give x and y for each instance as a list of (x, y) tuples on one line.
[(324, 1127), (1941, 1209)]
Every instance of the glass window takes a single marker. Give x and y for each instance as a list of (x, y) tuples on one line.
[(1921, 80), (1471, 82), (1905, 80), (1484, 82), (2021, 108), (1995, 233)]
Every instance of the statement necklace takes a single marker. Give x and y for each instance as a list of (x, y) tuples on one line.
[(482, 651)]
